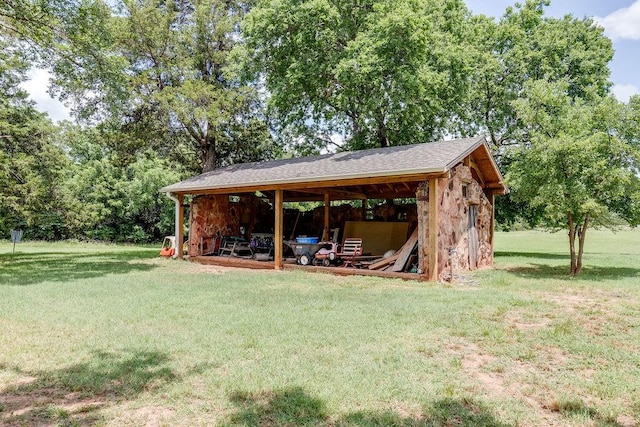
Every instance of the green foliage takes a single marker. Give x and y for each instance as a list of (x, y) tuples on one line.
[(377, 73), (31, 163), (578, 168), (526, 46), (108, 200), (588, 168)]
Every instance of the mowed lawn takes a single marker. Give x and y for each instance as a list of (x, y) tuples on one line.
[(114, 335)]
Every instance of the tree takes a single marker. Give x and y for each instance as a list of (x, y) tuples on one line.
[(578, 167), (108, 199), (31, 163), (177, 57), (375, 73), (526, 46), (154, 70)]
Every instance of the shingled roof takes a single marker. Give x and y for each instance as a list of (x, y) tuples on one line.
[(406, 160)]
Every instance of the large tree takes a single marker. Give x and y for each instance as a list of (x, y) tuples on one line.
[(373, 73), (154, 70), (579, 166), (31, 163), (177, 54), (525, 46)]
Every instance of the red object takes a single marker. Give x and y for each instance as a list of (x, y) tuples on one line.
[(167, 252)]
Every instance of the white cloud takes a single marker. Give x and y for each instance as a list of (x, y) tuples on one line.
[(37, 86), (622, 23), (624, 92)]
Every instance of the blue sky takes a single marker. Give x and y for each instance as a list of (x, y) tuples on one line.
[(620, 19)]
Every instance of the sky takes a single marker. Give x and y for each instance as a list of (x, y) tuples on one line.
[(620, 19)]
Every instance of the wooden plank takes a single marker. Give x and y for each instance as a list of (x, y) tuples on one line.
[(354, 272), (278, 231), (405, 252), (327, 217), (383, 262), (180, 226), (332, 183)]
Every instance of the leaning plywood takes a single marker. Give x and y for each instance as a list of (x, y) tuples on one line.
[(383, 262), (405, 252), (377, 236)]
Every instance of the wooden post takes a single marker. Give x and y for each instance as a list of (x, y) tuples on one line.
[(278, 231), (180, 226), (432, 271), (492, 200), (422, 204), (327, 217)]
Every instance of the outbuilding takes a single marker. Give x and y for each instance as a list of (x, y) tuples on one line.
[(453, 184)]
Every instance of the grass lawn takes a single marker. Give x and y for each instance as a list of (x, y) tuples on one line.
[(113, 335)]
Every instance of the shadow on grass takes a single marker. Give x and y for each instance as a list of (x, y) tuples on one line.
[(30, 269), (540, 255), (74, 395), (294, 407), (560, 272)]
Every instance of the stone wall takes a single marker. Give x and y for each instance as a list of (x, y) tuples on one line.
[(453, 235), (216, 215), (210, 216)]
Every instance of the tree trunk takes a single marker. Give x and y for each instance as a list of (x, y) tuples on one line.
[(581, 237), (210, 157), (572, 244), (579, 230), (381, 133)]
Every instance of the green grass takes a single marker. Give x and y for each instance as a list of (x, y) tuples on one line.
[(114, 335)]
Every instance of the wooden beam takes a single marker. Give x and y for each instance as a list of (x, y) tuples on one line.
[(405, 252), (492, 200), (332, 184), (327, 217), (278, 231), (180, 226), (337, 194), (383, 262), (432, 270)]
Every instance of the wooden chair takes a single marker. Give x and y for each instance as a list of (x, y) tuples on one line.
[(350, 250), (236, 249)]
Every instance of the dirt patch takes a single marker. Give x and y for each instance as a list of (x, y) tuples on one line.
[(150, 416), (520, 322), (626, 421), (513, 379), (47, 406)]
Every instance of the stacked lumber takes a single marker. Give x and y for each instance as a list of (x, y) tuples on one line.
[(383, 263), (401, 261)]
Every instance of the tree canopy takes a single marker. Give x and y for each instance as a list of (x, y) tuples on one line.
[(579, 167), (373, 73)]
